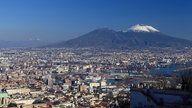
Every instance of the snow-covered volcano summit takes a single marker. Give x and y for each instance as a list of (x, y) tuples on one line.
[(142, 28)]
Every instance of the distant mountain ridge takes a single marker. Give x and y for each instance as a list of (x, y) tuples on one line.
[(22, 44)]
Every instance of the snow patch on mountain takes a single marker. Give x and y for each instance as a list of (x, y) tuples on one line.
[(142, 28)]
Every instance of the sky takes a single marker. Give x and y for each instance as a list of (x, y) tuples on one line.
[(60, 20)]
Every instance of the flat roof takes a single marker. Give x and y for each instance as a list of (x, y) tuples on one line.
[(4, 95)]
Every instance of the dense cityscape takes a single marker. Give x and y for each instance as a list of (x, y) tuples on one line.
[(90, 77), (95, 54)]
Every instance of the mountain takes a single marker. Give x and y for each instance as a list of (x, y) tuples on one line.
[(22, 44), (139, 36)]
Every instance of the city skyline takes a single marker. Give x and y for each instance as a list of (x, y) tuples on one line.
[(61, 20)]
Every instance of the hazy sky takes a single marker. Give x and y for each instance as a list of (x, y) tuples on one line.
[(57, 20)]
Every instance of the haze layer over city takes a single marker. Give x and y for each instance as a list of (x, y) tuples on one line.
[(95, 54)]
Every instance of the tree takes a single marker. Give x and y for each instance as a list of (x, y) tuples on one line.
[(186, 80), (12, 105)]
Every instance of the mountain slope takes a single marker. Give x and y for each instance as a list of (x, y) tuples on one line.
[(97, 38)]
